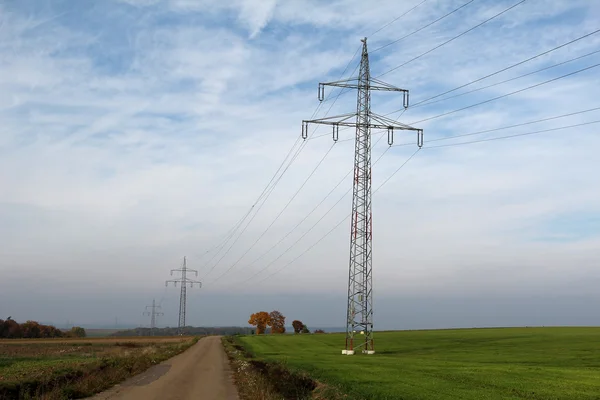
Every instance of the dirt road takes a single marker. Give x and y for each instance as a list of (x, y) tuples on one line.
[(201, 372)]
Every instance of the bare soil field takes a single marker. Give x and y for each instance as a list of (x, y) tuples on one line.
[(98, 340), (78, 367)]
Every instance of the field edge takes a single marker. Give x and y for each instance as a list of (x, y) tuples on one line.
[(95, 377), (268, 380)]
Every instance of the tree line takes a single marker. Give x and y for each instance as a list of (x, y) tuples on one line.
[(11, 329), (188, 330), (275, 320)]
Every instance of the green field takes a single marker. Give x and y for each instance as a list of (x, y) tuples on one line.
[(509, 363)]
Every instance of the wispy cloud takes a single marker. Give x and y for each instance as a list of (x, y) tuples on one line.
[(133, 132)]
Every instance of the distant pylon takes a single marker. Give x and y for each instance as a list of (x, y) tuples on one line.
[(184, 280), (359, 317), (153, 314)]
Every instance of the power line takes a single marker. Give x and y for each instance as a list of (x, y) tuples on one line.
[(229, 236), (315, 208), (498, 138), (264, 200), (395, 172), (267, 196), (410, 34), (454, 38), (424, 27), (301, 237), (337, 225), (447, 145), (513, 136), (488, 76), (232, 231), (508, 94), (307, 250), (397, 18), (420, 104), (272, 188), (316, 223), (343, 90), (505, 127), (267, 187), (494, 73), (497, 129), (509, 67), (278, 215), (303, 219), (259, 208)]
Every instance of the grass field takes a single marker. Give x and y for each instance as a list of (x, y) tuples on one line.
[(75, 368), (510, 363)]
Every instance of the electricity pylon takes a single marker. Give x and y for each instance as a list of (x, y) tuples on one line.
[(184, 280), (153, 314), (359, 317)]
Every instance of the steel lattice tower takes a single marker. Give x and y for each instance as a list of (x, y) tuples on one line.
[(359, 317), (153, 314), (184, 280)]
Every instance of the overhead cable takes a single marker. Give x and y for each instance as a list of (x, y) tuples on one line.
[(423, 27), (453, 38)]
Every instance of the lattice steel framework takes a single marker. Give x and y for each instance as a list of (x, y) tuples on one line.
[(359, 320), (153, 314), (184, 280)]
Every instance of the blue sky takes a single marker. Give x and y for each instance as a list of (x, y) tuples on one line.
[(134, 132)]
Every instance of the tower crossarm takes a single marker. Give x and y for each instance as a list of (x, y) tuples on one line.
[(186, 270), (381, 121), (376, 122), (355, 83), (371, 84), (192, 282)]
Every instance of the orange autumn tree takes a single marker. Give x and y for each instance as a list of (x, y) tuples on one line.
[(277, 322), (260, 320)]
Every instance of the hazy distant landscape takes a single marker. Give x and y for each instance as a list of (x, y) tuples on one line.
[(299, 200)]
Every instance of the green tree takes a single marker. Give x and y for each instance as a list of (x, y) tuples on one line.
[(77, 331)]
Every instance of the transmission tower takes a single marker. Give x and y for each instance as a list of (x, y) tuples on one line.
[(183, 280), (359, 317), (153, 314)]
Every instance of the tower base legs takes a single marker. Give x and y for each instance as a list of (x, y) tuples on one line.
[(351, 352)]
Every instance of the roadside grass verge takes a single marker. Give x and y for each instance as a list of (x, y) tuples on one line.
[(260, 380), (470, 364), (66, 370)]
